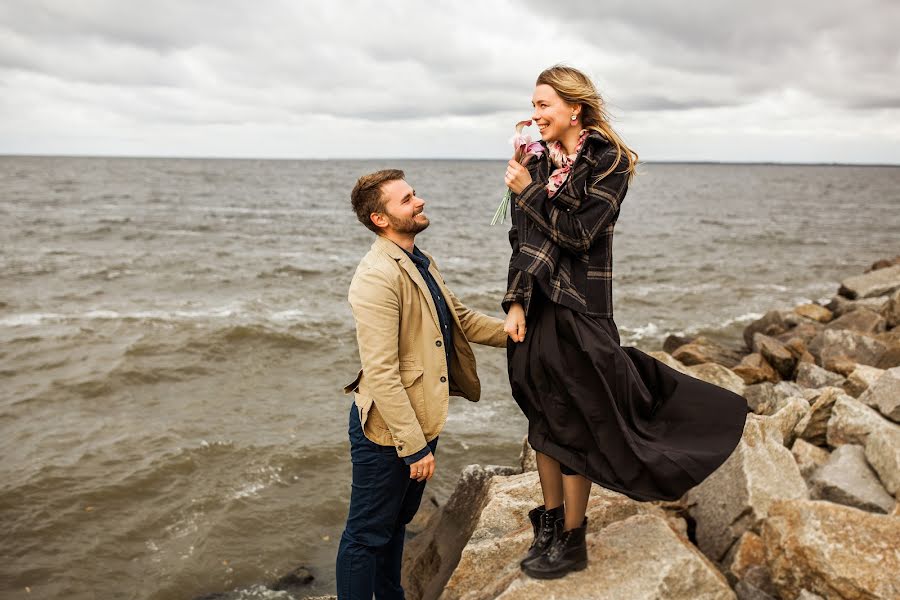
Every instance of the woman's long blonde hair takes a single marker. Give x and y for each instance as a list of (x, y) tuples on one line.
[(576, 88)]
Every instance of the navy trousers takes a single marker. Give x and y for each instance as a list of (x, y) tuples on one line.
[(383, 499)]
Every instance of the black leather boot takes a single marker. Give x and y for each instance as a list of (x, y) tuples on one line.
[(567, 553), (544, 524)]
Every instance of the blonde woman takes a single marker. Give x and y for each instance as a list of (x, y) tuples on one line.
[(597, 411)]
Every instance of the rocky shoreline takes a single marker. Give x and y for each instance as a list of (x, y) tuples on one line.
[(805, 508)]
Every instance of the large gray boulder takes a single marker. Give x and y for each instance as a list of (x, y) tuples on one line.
[(639, 558), (863, 320), (833, 344), (852, 422), (431, 556), (835, 551), (840, 305), (736, 497), (624, 537), (884, 394), (814, 376), (883, 453), (873, 283), (847, 479)]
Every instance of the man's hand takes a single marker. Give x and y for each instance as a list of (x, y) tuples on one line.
[(423, 469), (515, 323)]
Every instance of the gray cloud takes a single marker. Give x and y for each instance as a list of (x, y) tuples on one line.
[(183, 65)]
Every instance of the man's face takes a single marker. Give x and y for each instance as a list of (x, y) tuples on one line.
[(403, 209)]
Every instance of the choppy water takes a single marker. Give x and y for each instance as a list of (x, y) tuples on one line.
[(174, 335)]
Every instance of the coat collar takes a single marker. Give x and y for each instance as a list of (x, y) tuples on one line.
[(382, 244)]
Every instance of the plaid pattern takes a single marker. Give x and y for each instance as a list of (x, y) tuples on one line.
[(564, 243)]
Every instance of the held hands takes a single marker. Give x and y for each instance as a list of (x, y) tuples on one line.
[(515, 321), (423, 469), (517, 177)]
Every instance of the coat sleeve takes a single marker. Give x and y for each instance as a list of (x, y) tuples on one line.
[(576, 229), (514, 278), (479, 327), (376, 309)]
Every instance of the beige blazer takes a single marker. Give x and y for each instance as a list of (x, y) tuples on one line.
[(402, 391)]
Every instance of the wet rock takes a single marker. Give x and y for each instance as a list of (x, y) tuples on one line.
[(674, 342), (875, 283), (754, 368), (703, 350), (814, 376), (814, 312), (813, 427), (775, 353), (809, 458), (736, 497), (862, 377), (884, 394), (772, 323), (833, 343), (863, 320), (832, 550), (718, 375), (883, 263), (847, 479)]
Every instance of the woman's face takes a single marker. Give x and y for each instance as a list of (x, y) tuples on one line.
[(552, 114)]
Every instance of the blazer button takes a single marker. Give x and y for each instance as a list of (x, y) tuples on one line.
[(443, 379), (438, 343)]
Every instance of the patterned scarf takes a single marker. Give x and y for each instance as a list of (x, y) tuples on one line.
[(562, 161)]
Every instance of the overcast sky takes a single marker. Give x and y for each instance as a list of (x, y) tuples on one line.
[(768, 80)]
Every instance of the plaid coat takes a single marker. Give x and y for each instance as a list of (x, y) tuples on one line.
[(564, 243)]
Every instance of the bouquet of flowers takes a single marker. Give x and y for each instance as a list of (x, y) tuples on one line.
[(523, 149)]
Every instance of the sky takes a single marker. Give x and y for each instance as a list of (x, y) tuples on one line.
[(763, 81)]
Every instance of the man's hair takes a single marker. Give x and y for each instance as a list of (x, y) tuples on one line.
[(367, 196)]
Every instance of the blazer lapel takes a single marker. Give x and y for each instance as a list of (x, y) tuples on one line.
[(398, 254)]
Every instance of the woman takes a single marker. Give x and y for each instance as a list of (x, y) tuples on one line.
[(596, 411)]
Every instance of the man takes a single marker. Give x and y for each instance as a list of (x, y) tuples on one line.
[(413, 336)]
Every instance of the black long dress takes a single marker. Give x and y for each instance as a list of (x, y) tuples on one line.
[(614, 414)]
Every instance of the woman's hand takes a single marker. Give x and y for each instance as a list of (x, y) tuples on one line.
[(517, 177), (515, 323)]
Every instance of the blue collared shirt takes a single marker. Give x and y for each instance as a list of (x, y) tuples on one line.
[(444, 318)]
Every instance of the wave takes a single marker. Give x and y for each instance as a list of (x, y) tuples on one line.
[(288, 271)]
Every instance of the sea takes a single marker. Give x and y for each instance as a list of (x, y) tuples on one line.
[(175, 334)]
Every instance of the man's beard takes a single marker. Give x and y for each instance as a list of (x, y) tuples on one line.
[(407, 226)]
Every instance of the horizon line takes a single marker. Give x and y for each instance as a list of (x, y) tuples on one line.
[(448, 158)]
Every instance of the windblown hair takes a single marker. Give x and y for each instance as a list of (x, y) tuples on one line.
[(367, 196), (576, 88)]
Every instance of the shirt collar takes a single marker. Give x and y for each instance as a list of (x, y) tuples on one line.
[(417, 257)]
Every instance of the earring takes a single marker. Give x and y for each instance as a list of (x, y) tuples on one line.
[(574, 117)]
